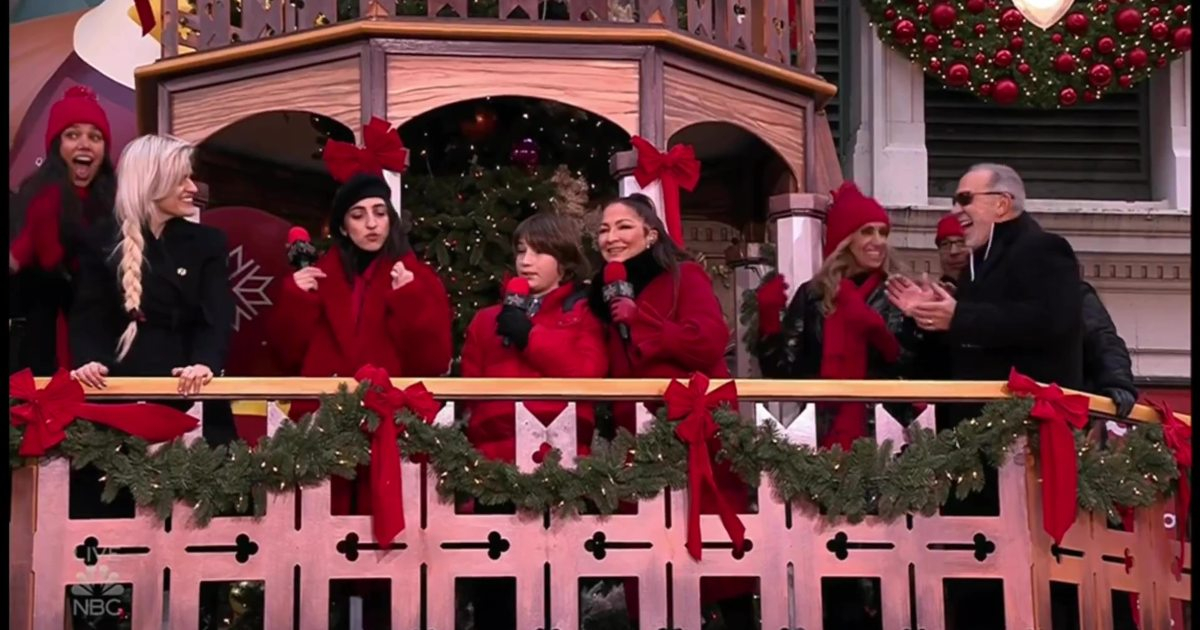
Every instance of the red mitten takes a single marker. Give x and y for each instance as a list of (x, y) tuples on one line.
[(867, 321), (622, 310), (772, 299)]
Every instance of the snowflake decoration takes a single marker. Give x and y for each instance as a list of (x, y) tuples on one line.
[(249, 286)]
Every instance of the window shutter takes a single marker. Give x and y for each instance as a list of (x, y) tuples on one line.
[(1091, 151), (831, 43)]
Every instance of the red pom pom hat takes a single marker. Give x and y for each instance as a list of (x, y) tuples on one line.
[(849, 211), (78, 105)]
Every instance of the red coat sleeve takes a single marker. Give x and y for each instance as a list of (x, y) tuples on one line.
[(696, 339), (419, 321), (473, 348), (38, 239), (574, 352), (293, 323)]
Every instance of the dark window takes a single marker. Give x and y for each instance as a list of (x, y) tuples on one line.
[(832, 36), (1091, 151)]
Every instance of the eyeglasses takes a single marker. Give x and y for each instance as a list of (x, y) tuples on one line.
[(965, 198), (952, 245)]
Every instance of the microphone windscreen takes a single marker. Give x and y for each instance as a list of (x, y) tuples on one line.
[(297, 233), (614, 272), (517, 286)]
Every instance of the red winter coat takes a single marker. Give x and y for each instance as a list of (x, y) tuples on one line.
[(406, 331), (567, 341)]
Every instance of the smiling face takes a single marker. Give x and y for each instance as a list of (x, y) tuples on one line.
[(541, 270), (623, 234), (980, 206), (82, 147), (868, 246), (181, 202), (367, 224)]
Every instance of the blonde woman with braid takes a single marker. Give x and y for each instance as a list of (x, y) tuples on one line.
[(154, 297)]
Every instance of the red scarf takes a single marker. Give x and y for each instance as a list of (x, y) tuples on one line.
[(849, 331)]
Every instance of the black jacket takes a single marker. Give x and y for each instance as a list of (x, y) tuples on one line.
[(186, 300), (1022, 309), (1106, 362)]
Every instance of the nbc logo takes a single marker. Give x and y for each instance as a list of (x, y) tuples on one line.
[(98, 594)]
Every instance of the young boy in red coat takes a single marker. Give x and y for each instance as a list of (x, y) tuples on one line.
[(368, 299), (556, 337)]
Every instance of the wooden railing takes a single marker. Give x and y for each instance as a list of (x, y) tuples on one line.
[(760, 28), (298, 547)]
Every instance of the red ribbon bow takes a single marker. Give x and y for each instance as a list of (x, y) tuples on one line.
[(387, 487), (1058, 413), (677, 168), (692, 405), (1178, 437), (145, 14), (382, 150), (47, 412)]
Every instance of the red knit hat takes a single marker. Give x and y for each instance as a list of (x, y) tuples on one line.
[(847, 214), (947, 227), (78, 105)]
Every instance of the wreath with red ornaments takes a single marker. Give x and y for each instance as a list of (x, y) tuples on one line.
[(1037, 53)]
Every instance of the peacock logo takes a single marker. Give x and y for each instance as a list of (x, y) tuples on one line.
[(98, 595)]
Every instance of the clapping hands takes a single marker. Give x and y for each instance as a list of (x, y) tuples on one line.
[(929, 303)]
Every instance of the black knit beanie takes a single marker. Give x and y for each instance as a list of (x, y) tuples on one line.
[(359, 187)]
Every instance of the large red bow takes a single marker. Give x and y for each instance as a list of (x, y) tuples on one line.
[(145, 14), (1057, 413), (387, 487), (675, 169), (692, 405), (382, 150), (47, 412), (1178, 437)]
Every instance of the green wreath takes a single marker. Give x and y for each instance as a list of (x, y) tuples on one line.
[(868, 479), (988, 47)]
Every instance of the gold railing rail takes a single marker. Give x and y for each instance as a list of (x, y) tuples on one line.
[(256, 388)]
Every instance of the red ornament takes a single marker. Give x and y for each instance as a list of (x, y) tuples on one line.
[(935, 65), (1180, 10), (1161, 62), (931, 42), (904, 31), (1182, 38), (1128, 21), (1024, 68), (1138, 58), (1011, 20), (481, 126), (1056, 38), (942, 16), (1089, 96), (1154, 12), (980, 28), (1004, 58), (985, 89), (1065, 63), (1125, 80), (1100, 75), (976, 6), (1159, 31), (1106, 45), (889, 14), (1006, 92), (1017, 43), (922, 9), (1101, 9), (1119, 62), (957, 43), (958, 75), (1076, 23), (980, 59), (1068, 97), (1086, 52)]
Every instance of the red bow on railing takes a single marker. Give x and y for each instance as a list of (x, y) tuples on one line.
[(1178, 437), (692, 405), (1057, 413), (382, 150), (675, 169), (145, 14), (47, 412), (387, 487)]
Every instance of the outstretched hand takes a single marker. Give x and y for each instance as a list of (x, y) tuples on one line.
[(905, 294), (935, 315)]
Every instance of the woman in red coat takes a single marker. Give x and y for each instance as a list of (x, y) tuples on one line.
[(73, 188), (369, 299), (557, 336), (676, 329)]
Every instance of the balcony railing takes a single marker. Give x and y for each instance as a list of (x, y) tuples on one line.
[(297, 548), (759, 28)]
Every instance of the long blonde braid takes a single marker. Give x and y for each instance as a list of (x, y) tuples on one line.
[(150, 170)]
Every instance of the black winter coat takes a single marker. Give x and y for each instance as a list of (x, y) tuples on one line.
[(1106, 362)]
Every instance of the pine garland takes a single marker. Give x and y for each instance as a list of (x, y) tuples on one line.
[(869, 479)]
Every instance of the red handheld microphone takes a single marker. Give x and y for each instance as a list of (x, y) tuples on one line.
[(300, 250), (616, 286), (516, 294)]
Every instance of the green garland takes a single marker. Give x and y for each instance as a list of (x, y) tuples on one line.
[(870, 478)]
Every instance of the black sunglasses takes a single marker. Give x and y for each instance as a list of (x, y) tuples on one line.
[(965, 198)]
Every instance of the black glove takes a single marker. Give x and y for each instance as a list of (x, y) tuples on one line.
[(513, 324), (1123, 399)]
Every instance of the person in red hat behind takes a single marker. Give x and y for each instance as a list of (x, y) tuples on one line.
[(73, 188), (840, 324), (951, 242)]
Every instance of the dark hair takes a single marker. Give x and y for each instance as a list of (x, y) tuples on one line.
[(355, 260), (665, 252), (557, 236), (55, 172)]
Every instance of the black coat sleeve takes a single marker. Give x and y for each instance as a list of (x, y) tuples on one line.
[(210, 340), (790, 354), (1046, 303), (1106, 361), (96, 319)]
